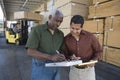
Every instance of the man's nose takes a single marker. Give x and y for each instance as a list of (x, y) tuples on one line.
[(74, 31)]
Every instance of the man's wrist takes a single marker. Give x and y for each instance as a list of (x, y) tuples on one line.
[(49, 57)]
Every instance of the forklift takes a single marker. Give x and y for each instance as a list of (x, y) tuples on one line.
[(19, 37), (11, 36)]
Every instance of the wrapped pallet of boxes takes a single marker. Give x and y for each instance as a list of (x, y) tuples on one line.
[(71, 9), (112, 56), (94, 26), (105, 9), (60, 3), (112, 31), (27, 15)]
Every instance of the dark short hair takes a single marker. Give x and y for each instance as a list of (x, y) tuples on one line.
[(77, 19)]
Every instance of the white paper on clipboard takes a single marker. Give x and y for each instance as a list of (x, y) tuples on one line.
[(69, 63), (64, 63)]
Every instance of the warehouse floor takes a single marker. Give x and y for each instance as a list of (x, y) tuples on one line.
[(16, 65)]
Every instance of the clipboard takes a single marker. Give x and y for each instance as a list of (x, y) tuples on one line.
[(87, 63), (69, 63), (64, 63)]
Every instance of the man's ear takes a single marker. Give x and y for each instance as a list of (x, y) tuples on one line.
[(50, 16)]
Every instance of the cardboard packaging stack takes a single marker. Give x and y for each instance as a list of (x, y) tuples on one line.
[(109, 11)]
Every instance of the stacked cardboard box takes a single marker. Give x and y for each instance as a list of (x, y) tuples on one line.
[(27, 15), (65, 25), (100, 38), (94, 26), (112, 56), (70, 8), (60, 3), (105, 9), (65, 31), (66, 22), (43, 7), (112, 27), (108, 11), (99, 1)]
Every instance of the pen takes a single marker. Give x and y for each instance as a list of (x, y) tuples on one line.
[(57, 52)]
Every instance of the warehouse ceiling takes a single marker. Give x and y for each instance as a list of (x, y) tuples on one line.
[(11, 6)]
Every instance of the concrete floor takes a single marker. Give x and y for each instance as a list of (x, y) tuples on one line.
[(14, 62), (16, 65)]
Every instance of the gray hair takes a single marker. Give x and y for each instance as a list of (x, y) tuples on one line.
[(56, 11)]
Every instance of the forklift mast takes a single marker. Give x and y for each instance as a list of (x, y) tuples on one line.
[(24, 31)]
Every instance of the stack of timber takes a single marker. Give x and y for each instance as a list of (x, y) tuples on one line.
[(70, 8)]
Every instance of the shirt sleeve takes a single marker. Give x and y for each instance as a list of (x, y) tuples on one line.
[(97, 49), (33, 39)]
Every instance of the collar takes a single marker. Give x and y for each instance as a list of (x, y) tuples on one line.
[(83, 32)]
